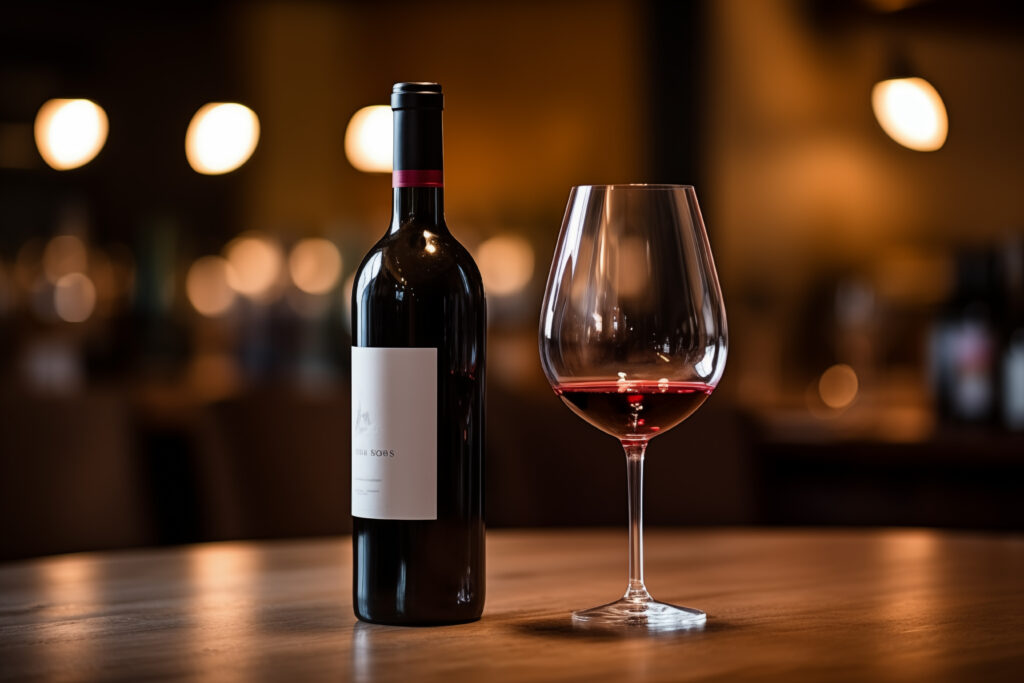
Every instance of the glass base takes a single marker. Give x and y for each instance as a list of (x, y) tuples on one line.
[(643, 614)]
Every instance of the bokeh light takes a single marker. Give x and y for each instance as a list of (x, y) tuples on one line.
[(256, 263), (221, 137), (911, 112), (70, 133), (369, 139), (315, 265), (207, 286), (63, 255), (838, 386), (74, 298), (506, 264)]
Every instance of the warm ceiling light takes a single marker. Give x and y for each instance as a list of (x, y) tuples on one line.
[(207, 286), (70, 133), (255, 265), (369, 139), (221, 137), (506, 264), (315, 265), (911, 112)]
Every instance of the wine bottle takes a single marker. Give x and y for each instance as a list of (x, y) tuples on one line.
[(418, 329)]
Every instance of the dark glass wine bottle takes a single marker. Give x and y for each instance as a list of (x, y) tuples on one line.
[(418, 325)]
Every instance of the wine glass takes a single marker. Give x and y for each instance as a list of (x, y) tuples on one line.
[(633, 339)]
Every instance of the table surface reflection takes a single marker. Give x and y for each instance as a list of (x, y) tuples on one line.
[(789, 605)]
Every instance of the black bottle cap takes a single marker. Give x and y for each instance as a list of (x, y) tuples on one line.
[(417, 96)]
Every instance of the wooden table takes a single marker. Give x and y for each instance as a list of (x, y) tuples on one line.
[(846, 605)]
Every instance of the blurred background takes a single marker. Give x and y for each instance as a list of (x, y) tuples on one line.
[(187, 188)]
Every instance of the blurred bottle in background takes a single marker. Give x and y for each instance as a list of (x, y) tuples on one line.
[(1012, 375), (976, 362), (963, 344)]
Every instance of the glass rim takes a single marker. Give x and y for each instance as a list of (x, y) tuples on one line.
[(635, 186)]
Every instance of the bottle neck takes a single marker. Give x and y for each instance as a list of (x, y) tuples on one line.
[(420, 205), (418, 176)]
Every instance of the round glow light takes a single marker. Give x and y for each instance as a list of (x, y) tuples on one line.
[(70, 133), (369, 139), (315, 265), (506, 264), (838, 386), (255, 265), (74, 298), (207, 286), (911, 112), (64, 254), (221, 137)]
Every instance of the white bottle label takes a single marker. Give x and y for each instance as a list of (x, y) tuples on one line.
[(394, 433)]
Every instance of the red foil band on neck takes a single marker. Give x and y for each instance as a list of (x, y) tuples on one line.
[(417, 178)]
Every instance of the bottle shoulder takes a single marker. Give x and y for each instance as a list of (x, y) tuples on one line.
[(420, 254)]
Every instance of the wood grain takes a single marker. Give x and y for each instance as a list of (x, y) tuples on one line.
[(891, 605)]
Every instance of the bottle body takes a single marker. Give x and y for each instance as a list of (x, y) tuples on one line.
[(418, 289)]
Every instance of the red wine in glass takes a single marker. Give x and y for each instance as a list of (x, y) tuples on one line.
[(634, 410), (633, 338)]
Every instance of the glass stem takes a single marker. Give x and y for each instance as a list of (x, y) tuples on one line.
[(635, 481)]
